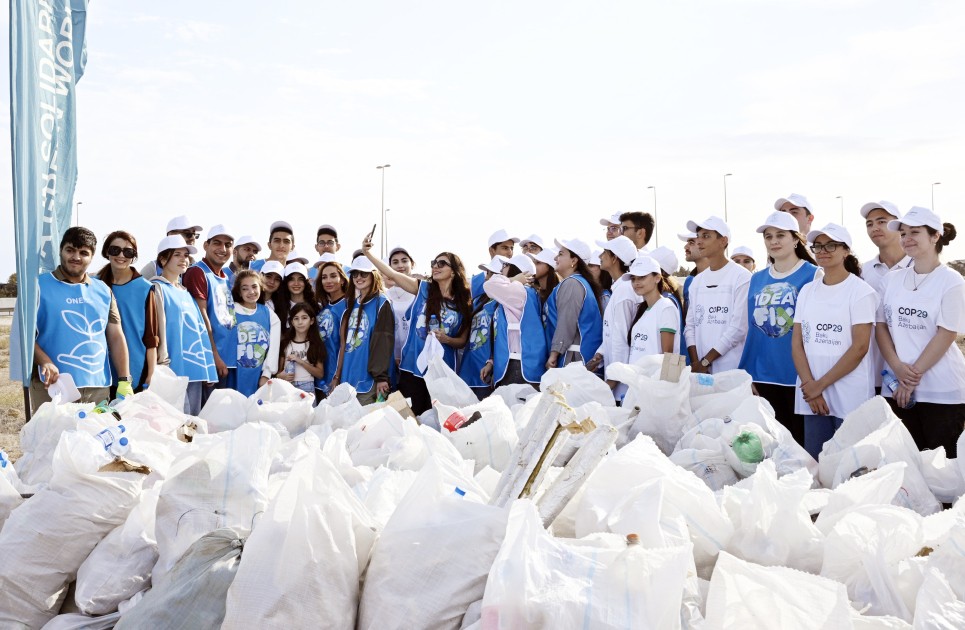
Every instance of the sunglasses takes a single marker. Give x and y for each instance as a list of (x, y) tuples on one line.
[(440, 263), (129, 252)]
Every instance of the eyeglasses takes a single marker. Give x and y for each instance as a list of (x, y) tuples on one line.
[(827, 247), (626, 228), (189, 235), (326, 243), (440, 263), (129, 252), (612, 229)]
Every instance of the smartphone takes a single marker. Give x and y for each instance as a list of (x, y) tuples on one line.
[(372, 233)]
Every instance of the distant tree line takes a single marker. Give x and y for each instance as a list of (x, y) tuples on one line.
[(10, 288)]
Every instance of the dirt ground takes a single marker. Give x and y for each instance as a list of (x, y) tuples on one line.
[(11, 398)]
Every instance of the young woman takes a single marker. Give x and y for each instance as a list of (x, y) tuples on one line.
[(138, 311), (574, 310), (272, 275), (479, 348), (655, 327), (302, 358), (442, 307), (771, 305), (923, 312), (186, 346), (545, 279), (331, 284), (368, 328), (259, 333), (601, 276), (519, 342), (832, 329), (295, 290), (401, 261)]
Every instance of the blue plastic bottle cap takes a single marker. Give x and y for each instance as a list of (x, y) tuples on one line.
[(123, 441), (81, 414), (259, 401), (121, 427)]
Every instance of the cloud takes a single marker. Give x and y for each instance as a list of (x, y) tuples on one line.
[(298, 78), (195, 31)]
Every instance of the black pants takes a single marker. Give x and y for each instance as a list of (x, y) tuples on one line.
[(513, 375), (781, 398), (414, 388), (933, 424)]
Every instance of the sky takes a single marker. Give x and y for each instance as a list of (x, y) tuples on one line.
[(537, 117)]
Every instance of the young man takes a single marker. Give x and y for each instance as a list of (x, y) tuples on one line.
[(78, 327), (799, 208), (180, 226), (500, 244), (716, 323), (890, 256), (638, 227), (691, 254), (245, 251), (744, 256), (326, 242), (281, 242), (612, 225), (208, 285), (532, 244)]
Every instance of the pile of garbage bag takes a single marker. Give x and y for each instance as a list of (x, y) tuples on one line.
[(688, 507)]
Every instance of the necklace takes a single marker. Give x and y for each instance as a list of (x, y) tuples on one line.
[(918, 283)]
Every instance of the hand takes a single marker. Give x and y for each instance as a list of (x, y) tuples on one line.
[(522, 278), (754, 390), (819, 406), (382, 388), (551, 361), (908, 375), (220, 366), (443, 338), (285, 376), (49, 374), (262, 381), (486, 373), (124, 389), (296, 359), (366, 244), (612, 384), (697, 368), (595, 362), (903, 395), (811, 390)]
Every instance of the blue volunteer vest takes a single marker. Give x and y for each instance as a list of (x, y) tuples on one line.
[(478, 349), (358, 337), (476, 287), (221, 314), (451, 320), (253, 335), (771, 304), (589, 322), (533, 346), (71, 325), (131, 300), (328, 322), (188, 345)]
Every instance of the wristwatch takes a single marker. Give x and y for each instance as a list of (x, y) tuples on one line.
[(124, 378), (704, 362)]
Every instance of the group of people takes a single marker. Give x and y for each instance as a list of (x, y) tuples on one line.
[(819, 333)]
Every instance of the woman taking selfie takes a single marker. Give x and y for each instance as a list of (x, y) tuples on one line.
[(368, 329)]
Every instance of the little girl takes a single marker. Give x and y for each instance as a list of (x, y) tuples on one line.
[(303, 353), (259, 333)]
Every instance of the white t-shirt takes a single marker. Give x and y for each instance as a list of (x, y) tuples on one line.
[(717, 315), (874, 273), (616, 321), (400, 299), (645, 334), (300, 350), (913, 318), (826, 314)]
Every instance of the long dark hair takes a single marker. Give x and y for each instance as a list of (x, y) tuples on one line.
[(851, 263), (320, 296), (352, 298), (664, 285), (282, 300), (552, 281), (800, 248), (584, 270), (316, 347), (105, 275), (461, 300)]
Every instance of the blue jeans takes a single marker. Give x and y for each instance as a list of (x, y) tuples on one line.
[(192, 398), (817, 431)]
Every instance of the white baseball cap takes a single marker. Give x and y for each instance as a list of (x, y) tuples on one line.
[(362, 263), (522, 262), (779, 220), (710, 223), (595, 258), (917, 216), (835, 232), (295, 267), (686, 236), (887, 206), (613, 219), (621, 247), (794, 199), (181, 223), (247, 239), (666, 258), (326, 257), (273, 266), (495, 265), (175, 241), (578, 247), (644, 266), (547, 256), (536, 239), (501, 236), (218, 230), (280, 224), (296, 257), (743, 250)]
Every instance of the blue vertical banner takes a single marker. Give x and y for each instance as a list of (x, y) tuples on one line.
[(47, 58)]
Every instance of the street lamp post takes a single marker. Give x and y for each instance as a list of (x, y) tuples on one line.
[(726, 175), (78, 212), (382, 168), (386, 229), (656, 236), (841, 197), (933, 195)]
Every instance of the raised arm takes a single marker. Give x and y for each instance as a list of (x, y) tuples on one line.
[(408, 284)]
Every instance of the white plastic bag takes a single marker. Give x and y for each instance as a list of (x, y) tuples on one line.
[(490, 440), (580, 386), (9, 489), (432, 559), (76, 621), (120, 566), (339, 410), (225, 410), (293, 416), (278, 390), (538, 581), (942, 475), (303, 561), (169, 386), (709, 464), (446, 387), (665, 408), (39, 438), (46, 539)]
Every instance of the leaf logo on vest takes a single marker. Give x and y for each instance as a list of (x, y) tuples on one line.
[(326, 324), (88, 355), (480, 330), (774, 309), (196, 353), (358, 328), (910, 318), (253, 344)]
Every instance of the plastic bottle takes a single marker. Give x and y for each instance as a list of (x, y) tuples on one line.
[(433, 323), (113, 440), (889, 381), (290, 366)]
